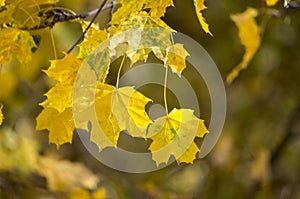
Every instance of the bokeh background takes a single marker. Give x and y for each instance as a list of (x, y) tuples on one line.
[(257, 155)]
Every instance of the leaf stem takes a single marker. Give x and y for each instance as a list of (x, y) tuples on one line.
[(119, 71), (165, 90)]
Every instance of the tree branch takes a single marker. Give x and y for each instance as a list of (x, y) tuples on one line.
[(55, 15), (89, 25)]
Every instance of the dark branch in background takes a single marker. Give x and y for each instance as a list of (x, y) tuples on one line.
[(89, 25), (55, 15), (288, 134)]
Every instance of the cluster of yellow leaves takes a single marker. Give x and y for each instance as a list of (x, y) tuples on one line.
[(105, 110), (249, 34)]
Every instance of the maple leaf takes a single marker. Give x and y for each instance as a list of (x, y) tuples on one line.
[(93, 38), (128, 7), (60, 96), (15, 43), (174, 134), (141, 33), (64, 70), (249, 34), (199, 7), (158, 7), (128, 108), (60, 125), (271, 2), (175, 58), (1, 115)]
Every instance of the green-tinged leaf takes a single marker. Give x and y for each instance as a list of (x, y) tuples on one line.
[(15, 43), (174, 135), (141, 33), (175, 58), (249, 34), (59, 125), (99, 61), (92, 39), (199, 7)]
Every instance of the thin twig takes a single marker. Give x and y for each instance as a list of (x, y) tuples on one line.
[(88, 27)]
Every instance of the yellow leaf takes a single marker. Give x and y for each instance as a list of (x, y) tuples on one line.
[(158, 7), (99, 194), (128, 7), (60, 96), (1, 115), (64, 70), (249, 34), (79, 194), (2, 3), (116, 110), (128, 108), (15, 43), (174, 135), (141, 33), (175, 58), (271, 2), (199, 7), (92, 39), (66, 176), (59, 125)]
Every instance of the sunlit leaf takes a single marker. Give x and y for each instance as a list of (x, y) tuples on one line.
[(127, 7), (128, 108), (59, 125), (158, 7), (199, 7), (64, 70), (60, 96), (174, 135), (249, 34), (175, 58)]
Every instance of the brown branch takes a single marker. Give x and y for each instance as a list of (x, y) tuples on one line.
[(52, 16)]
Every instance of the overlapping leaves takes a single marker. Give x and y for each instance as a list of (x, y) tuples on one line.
[(82, 99)]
